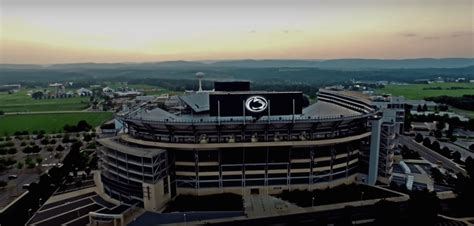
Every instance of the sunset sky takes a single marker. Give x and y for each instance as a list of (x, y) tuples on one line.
[(65, 31)]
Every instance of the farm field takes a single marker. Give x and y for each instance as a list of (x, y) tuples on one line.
[(420, 91), (51, 122), (20, 102)]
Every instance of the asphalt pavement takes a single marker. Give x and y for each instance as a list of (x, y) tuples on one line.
[(431, 155)]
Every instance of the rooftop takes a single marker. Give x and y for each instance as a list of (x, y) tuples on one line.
[(112, 143), (318, 110)]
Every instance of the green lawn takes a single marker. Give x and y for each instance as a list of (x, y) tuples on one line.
[(417, 91), (20, 102), (51, 122), (469, 114)]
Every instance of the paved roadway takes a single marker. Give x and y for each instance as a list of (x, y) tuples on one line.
[(431, 155)]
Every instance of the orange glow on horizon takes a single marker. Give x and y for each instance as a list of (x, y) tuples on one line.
[(160, 31)]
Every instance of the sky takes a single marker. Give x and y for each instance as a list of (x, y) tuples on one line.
[(70, 31)]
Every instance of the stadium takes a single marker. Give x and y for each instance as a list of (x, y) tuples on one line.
[(235, 140)]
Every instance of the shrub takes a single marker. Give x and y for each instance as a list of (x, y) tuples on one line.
[(19, 133), (45, 141), (12, 151), (36, 149), (27, 150), (60, 148), (87, 137)]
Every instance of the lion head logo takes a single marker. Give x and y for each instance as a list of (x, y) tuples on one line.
[(256, 104)]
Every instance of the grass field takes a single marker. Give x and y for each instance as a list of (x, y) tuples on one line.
[(20, 102), (420, 91), (51, 122)]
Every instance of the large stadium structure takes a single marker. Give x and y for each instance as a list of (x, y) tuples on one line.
[(246, 142)]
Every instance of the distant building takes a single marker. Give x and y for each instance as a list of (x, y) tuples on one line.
[(84, 92), (10, 88), (422, 81)]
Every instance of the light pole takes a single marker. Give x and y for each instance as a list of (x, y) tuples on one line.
[(39, 202), (184, 216), (312, 201), (29, 213), (361, 195)]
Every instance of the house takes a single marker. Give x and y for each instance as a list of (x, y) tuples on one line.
[(84, 92)]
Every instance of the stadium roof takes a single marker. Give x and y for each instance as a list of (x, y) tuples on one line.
[(199, 102)]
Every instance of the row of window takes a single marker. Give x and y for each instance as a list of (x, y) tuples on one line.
[(256, 181)]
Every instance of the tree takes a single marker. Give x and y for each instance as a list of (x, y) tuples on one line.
[(419, 138), (12, 151), (435, 146), (45, 141), (446, 152), (60, 148), (425, 108), (385, 210), (423, 207), (438, 134), (453, 139), (87, 137), (3, 183), (471, 147), (83, 126), (443, 107), (39, 160), (78, 183), (19, 165), (419, 109), (440, 125), (469, 162), (436, 175), (427, 142), (87, 170), (457, 156)]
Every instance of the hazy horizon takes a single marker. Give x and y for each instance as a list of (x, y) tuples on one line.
[(242, 59), (104, 31)]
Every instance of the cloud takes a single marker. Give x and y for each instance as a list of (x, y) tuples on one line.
[(461, 33), (431, 37), (287, 31), (409, 35)]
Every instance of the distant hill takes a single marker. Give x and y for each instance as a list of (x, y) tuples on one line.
[(341, 64), (353, 63)]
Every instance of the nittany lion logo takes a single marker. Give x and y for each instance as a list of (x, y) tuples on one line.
[(256, 104)]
